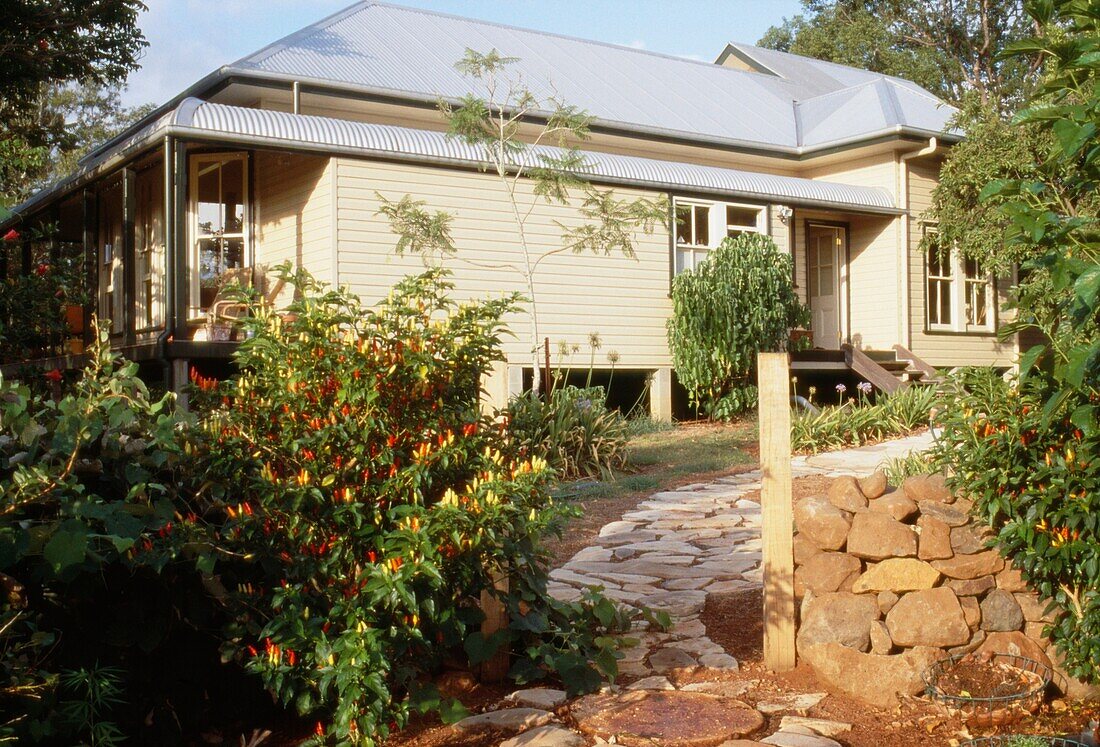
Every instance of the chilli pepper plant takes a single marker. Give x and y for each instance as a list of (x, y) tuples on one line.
[(362, 503), (1035, 478)]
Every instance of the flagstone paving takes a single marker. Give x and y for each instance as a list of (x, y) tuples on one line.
[(669, 553), (679, 545)]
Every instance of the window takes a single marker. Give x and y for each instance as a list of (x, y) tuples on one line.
[(702, 226), (742, 219), (975, 294), (219, 198), (940, 281), (959, 291)]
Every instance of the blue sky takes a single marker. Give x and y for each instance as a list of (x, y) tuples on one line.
[(189, 38)]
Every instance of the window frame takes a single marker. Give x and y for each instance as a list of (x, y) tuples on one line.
[(959, 289), (718, 229), (195, 167)]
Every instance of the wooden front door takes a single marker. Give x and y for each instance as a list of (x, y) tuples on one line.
[(824, 245)]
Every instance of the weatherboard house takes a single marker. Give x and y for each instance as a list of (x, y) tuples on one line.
[(283, 154)]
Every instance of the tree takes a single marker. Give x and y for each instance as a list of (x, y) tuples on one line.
[(64, 123), (951, 48), (512, 142), (53, 54), (65, 40), (738, 302), (1029, 454)]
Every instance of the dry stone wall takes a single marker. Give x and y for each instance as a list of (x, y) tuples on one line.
[(891, 580)]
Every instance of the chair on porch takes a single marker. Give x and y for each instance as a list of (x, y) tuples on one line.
[(227, 309)]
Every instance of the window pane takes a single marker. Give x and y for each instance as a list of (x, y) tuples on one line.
[(741, 216), (683, 224), (216, 258), (976, 304), (233, 196), (939, 262), (208, 202), (972, 268), (702, 225), (945, 301), (681, 261)]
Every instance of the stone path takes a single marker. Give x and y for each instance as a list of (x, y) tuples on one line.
[(669, 553), (678, 546)]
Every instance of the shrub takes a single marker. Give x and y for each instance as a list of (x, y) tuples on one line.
[(858, 421), (575, 432), (360, 504), (1034, 476), (738, 302), (88, 499), (910, 465)]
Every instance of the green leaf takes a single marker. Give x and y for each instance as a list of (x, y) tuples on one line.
[(1028, 359), (1087, 286), (480, 648), (452, 711), (67, 547)]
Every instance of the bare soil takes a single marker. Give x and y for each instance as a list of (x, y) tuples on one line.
[(977, 677)]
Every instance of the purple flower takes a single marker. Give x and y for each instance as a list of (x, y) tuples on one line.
[(864, 386), (841, 389)]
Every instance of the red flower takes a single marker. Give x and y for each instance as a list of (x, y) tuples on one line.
[(42, 269), (54, 375), (11, 235)]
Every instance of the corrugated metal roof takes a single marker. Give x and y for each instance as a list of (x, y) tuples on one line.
[(412, 52), (403, 143), (199, 119)]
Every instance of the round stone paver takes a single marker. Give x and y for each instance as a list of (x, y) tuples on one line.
[(671, 718)]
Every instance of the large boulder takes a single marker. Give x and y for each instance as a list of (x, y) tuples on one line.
[(871, 678), (969, 538), (821, 522), (935, 539), (951, 515), (1014, 643), (971, 587), (931, 617), (876, 536), (840, 617), (1001, 612), (898, 575), (927, 488), (844, 493), (1010, 579), (827, 572), (1034, 609), (971, 566), (874, 485), (896, 504), (803, 548)]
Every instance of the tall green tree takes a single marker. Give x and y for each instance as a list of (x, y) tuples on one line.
[(51, 51), (56, 130), (503, 126), (951, 48)]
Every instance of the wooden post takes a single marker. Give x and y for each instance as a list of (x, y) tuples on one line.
[(496, 618), (773, 378)]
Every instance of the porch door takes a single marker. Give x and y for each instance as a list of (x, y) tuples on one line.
[(823, 247)]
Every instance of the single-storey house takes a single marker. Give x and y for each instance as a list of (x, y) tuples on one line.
[(283, 154)]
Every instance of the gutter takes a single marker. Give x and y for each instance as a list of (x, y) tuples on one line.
[(906, 228)]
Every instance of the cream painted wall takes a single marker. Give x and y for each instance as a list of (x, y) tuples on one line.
[(624, 300), (294, 213)]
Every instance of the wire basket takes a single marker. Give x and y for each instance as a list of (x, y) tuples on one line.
[(1008, 741), (996, 710)]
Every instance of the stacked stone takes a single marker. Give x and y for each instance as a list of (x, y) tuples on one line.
[(893, 580)]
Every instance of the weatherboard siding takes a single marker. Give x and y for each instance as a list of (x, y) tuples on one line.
[(293, 212), (943, 349), (624, 300)]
